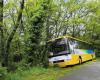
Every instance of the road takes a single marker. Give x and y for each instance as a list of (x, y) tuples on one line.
[(88, 72)]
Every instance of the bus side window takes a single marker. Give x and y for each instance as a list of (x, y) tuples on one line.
[(67, 46), (71, 45)]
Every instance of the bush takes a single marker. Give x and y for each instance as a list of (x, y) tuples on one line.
[(3, 73), (97, 53)]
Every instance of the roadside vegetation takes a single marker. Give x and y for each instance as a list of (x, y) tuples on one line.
[(40, 73), (26, 26)]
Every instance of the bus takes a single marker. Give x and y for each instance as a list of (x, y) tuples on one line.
[(67, 50)]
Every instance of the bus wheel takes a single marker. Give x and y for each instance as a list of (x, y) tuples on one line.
[(92, 57), (80, 60)]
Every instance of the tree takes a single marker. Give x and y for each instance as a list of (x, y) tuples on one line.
[(10, 37), (1, 30), (37, 16), (25, 36)]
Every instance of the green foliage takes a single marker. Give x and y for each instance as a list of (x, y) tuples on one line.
[(3, 73), (43, 20), (40, 73), (37, 31)]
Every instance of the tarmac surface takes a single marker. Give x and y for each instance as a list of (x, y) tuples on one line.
[(88, 72)]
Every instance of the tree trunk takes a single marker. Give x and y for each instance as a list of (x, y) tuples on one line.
[(1, 31), (10, 37)]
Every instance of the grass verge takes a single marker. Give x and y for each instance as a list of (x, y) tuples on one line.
[(38, 73)]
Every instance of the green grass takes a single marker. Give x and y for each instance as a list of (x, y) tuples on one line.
[(38, 73)]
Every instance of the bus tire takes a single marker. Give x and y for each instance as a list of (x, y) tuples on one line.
[(92, 57), (80, 60)]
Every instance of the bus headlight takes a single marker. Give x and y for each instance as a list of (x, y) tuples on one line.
[(51, 53), (68, 57)]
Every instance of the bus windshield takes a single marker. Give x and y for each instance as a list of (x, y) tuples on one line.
[(59, 46)]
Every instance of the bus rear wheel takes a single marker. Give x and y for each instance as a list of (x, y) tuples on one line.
[(92, 57), (80, 60)]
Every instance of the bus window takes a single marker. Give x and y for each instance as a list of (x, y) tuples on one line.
[(59, 46), (72, 45), (83, 45)]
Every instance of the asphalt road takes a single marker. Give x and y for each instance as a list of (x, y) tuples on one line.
[(88, 72)]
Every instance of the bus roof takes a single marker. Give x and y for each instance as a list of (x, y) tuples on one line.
[(70, 38)]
